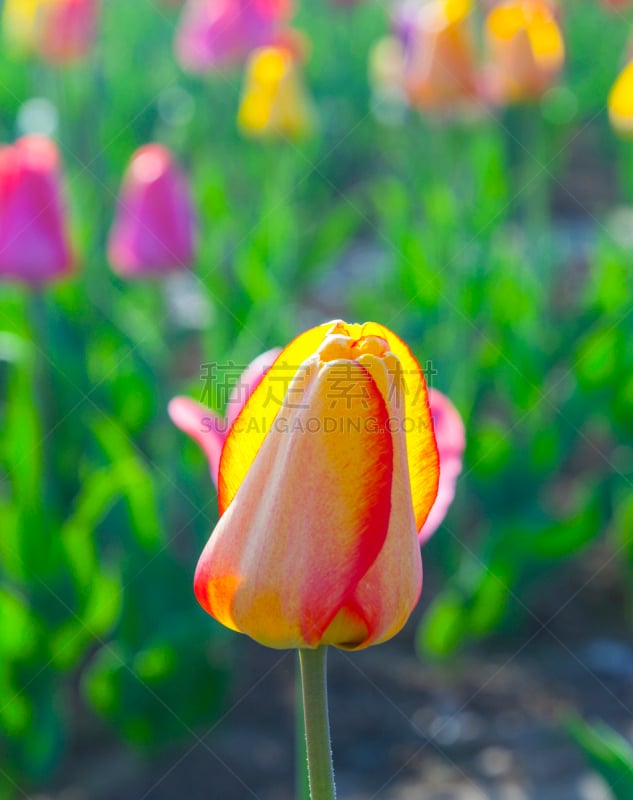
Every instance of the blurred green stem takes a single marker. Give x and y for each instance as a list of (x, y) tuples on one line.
[(317, 725), (535, 177), (626, 173), (41, 378)]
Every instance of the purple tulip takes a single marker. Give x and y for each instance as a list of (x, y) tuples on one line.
[(155, 227)]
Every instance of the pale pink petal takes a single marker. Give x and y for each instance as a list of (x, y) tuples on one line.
[(451, 441), (248, 382), (204, 427)]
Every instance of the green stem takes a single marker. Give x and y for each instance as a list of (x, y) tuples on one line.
[(317, 726), (302, 784)]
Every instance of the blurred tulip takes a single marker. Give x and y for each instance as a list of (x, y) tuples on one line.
[(432, 58), (155, 228), (213, 34), (275, 102), (66, 29), (58, 31), (620, 102), (526, 50), (326, 476), (19, 23), (34, 242)]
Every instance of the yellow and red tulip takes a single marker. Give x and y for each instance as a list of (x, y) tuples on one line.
[(526, 50), (326, 476), (275, 102)]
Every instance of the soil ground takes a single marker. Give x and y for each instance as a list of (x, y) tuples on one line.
[(487, 726)]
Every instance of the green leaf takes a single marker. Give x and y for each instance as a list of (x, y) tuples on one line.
[(610, 754), (564, 538), (135, 481), (19, 631), (443, 629), (99, 492), (490, 599)]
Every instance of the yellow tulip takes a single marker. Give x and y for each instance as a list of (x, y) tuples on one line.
[(275, 102), (19, 23), (620, 102)]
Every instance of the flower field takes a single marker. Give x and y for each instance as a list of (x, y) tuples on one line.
[(189, 192)]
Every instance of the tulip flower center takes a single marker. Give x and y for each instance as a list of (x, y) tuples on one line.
[(338, 346)]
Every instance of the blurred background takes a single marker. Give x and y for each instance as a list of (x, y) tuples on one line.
[(459, 173)]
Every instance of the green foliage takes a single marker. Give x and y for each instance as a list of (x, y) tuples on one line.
[(453, 232), (610, 754)]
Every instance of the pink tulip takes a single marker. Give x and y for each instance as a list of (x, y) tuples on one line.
[(34, 242), (66, 30), (210, 431), (220, 33), (155, 227)]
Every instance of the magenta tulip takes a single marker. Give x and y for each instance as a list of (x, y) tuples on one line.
[(34, 242), (155, 227), (221, 33)]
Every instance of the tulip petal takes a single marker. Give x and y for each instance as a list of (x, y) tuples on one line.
[(451, 441), (249, 381), (259, 413), (390, 589), (310, 516), (204, 427), (413, 403)]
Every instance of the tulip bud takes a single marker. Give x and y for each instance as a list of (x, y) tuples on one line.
[(34, 242), (275, 102), (154, 229), (66, 30), (434, 65), (526, 50), (620, 102), (326, 476), (213, 34)]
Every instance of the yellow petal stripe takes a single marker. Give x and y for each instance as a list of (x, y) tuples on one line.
[(256, 418)]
